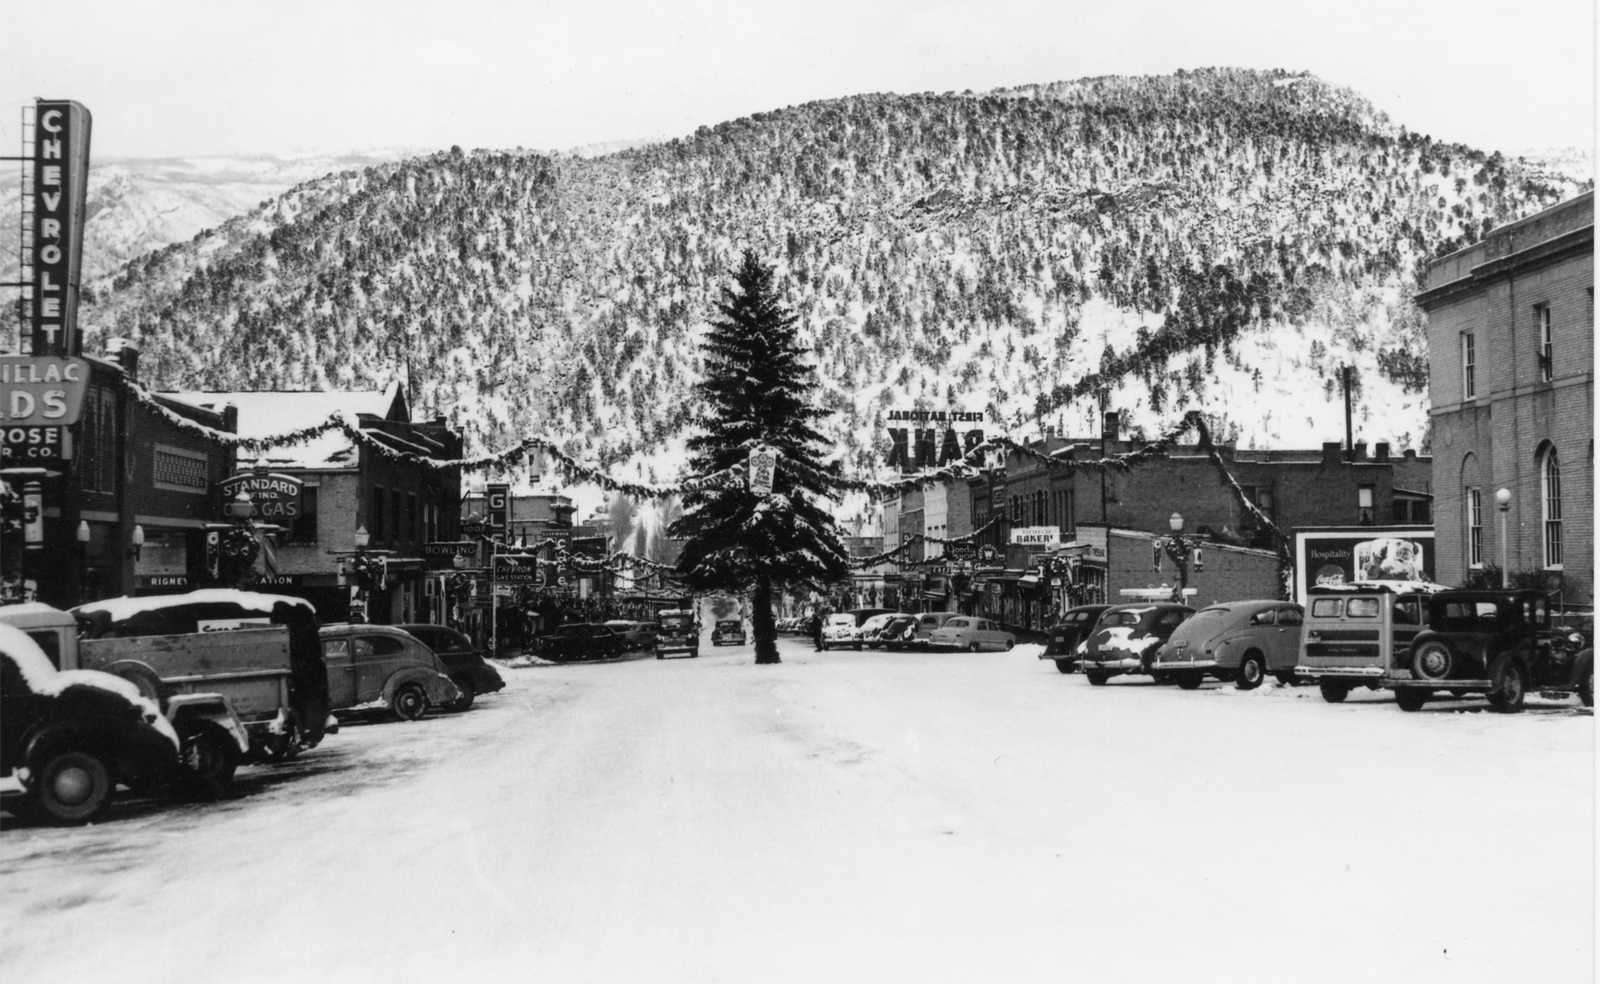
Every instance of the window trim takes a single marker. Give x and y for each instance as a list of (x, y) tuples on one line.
[(205, 463), (1550, 507), (1547, 369), (1469, 366), (1474, 504)]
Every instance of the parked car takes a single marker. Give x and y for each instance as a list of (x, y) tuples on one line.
[(581, 641), (899, 632), (972, 634), (1126, 638), (927, 622), (1069, 633), (1357, 635), (677, 631), (862, 614), (68, 738), (840, 630), (870, 629), (1497, 643), (640, 636), (465, 666), (380, 665), (728, 632), (1242, 641)]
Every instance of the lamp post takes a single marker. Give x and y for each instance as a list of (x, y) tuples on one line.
[(1502, 502), (1180, 548)]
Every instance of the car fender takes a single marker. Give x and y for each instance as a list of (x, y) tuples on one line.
[(1581, 665), (141, 675), (134, 762), (438, 687), (186, 710)]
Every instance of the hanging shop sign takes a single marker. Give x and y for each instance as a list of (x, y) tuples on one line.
[(1036, 536), (60, 193), (517, 569), (917, 447), (440, 555), (273, 497), (41, 390), (762, 465), (497, 508)]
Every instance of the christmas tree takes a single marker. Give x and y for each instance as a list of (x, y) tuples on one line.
[(756, 393)]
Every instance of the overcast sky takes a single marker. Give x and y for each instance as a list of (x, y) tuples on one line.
[(174, 77)]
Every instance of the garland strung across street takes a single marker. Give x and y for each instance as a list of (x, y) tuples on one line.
[(916, 538)]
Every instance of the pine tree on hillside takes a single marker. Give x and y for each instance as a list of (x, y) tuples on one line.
[(757, 392)]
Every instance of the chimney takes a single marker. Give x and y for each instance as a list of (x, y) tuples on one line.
[(1410, 454), (230, 418), (126, 354), (1332, 452), (1359, 452), (1381, 451)]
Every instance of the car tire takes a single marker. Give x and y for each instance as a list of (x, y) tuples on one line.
[(285, 746), (1252, 671), (209, 758), (410, 702), (1063, 666), (1097, 678), (972, 647), (1433, 660), (1010, 644), (71, 787), (1333, 691), (1411, 698), (1190, 681), (1586, 678), (858, 647), (468, 694), (1285, 678), (1511, 688)]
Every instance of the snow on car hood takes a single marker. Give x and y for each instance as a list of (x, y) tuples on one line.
[(45, 680)]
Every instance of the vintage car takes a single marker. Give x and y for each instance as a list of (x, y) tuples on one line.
[(1069, 633), (1126, 638), (927, 622), (1498, 643), (466, 667), (371, 666), (897, 632), (728, 632), (581, 641), (68, 738), (1356, 635), (640, 636), (870, 629), (971, 634), (1243, 641), (677, 631), (840, 630)]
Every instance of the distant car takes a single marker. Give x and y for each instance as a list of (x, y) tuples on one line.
[(1242, 641), (68, 738), (1069, 633), (1126, 638), (868, 630), (862, 614), (840, 630), (972, 634), (382, 666), (465, 666), (926, 623), (581, 641), (677, 631), (728, 632), (899, 632), (635, 635)]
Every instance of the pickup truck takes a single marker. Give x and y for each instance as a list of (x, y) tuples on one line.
[(222, 666)]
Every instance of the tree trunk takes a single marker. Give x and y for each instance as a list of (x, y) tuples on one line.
[(762, 625)]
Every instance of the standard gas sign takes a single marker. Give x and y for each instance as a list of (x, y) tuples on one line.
[(272, 496)]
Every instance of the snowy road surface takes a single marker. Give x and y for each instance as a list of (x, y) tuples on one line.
[(849, 817)]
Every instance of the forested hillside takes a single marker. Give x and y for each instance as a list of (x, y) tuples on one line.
[(977, 250)]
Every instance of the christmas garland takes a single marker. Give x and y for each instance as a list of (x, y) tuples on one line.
[(916, 538)]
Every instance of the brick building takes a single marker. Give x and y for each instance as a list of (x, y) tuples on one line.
[(350, 487), (1511, 351), (126, 501)]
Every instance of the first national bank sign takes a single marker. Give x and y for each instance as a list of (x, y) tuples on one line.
[(60, 184), (928, 438)]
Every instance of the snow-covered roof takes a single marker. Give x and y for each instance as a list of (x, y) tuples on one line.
[(123, 608), (262, 414)]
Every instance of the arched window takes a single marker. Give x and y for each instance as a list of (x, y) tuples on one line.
[(1551, 473), (1472, 511)]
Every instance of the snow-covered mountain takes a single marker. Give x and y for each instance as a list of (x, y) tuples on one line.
[(966, 250)]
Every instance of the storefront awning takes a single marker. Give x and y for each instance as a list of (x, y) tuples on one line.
[(1028, 579), (933, 595)]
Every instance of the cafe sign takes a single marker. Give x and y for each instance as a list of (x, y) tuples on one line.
[(273, 497)]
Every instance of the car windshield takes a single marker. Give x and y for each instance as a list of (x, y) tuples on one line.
[(1326, 607), (1122, 618), (1210, 613), (729, 624), (676, 621)]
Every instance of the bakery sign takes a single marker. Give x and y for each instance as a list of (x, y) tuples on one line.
[(273, 497), (1036, 536)]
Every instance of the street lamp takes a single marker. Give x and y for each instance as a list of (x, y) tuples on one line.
[(83, 556), (239, 508), (1502, 502), (1180, 548), (362, 537), (138, 542)]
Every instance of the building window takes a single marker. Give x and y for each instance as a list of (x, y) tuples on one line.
[(304, 527), (1469, 367), (1546, 352), (375, 530), (1474, 527), (96, 464), (177, 470), (1365, 516), (1552, 509), (397, 516)]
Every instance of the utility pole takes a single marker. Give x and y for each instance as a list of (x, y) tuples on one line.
[(1108, 435), (1347, 378)]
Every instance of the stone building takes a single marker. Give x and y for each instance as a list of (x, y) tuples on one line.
[(1511, 354)]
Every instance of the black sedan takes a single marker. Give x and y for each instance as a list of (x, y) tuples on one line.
[(465, 666), (579, 641), (1069, 633)]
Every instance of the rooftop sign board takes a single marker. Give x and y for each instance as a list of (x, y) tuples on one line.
[(60, 194)]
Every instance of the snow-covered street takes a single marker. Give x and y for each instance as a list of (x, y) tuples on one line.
[(849, 816)]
